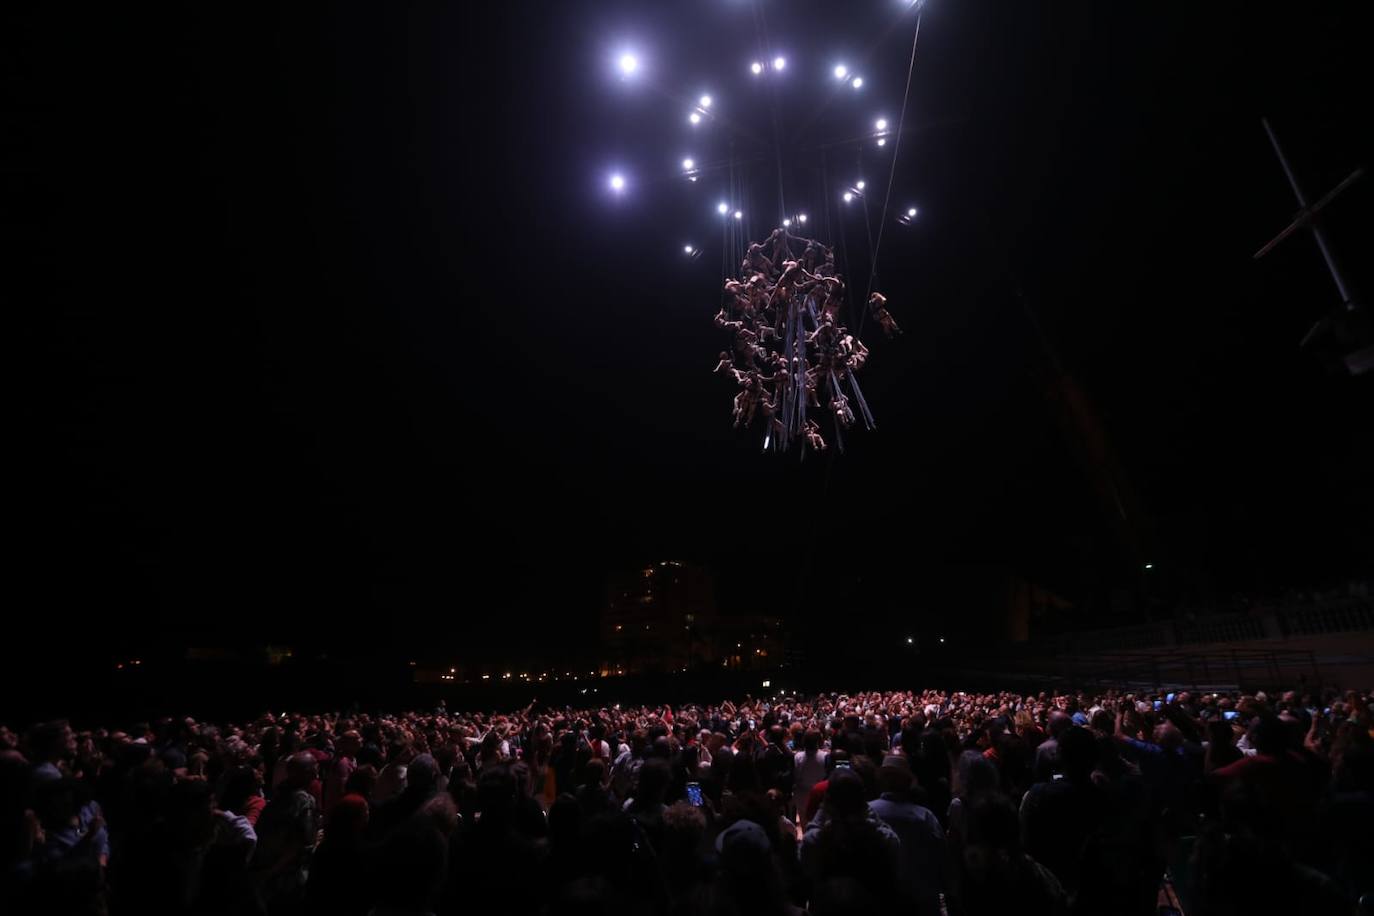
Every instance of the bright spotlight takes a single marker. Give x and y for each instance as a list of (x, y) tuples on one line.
[(911, 211), (909, 640), (858, 82), (694, 117), (841, 71), (756, 68), (688, 164), (786, 222), (628, 63), (882, 141), (739, 215), (848, 197), (617, 182), (722, 208), (688, 249), (881, 124), (705, 101), (859, 185), (802, 218), (779, 63)]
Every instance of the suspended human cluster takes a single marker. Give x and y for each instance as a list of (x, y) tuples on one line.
[(793, 358), (795, 366)]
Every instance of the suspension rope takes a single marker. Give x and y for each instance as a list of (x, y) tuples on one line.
[(868, 234), (825, 197), (896, 149), (761, 25)]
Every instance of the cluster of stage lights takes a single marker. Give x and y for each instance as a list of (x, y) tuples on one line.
[(779, 64), (723, 208), (880, 131), (701, 112), (629, 66), (856, 192), (842, 74)]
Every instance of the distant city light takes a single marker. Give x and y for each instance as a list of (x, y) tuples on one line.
[(841, 71), (722, 208), (909, 640), (705, 101), (858, 82), (768, 683), (942, 639), (779, 63), (1149, 566), (756, 68)]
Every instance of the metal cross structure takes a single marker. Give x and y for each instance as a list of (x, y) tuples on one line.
[(1349, 318)]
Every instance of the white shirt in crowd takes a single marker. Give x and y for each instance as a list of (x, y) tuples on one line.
[(809, 771)]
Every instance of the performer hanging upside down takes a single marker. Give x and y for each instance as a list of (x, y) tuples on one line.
[(750, 396), (825, 337), (744, 355), (813, 436), (724, 321), (839, 404), (833, 288), (854, 351), (877, 304), (736, 296), (756, 289)]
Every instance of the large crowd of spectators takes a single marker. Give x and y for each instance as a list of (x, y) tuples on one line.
[(923, 802)]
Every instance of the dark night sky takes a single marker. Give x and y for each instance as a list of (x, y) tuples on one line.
[(330, 313)]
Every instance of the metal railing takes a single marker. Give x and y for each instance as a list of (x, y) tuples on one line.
[(1318, 620)]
